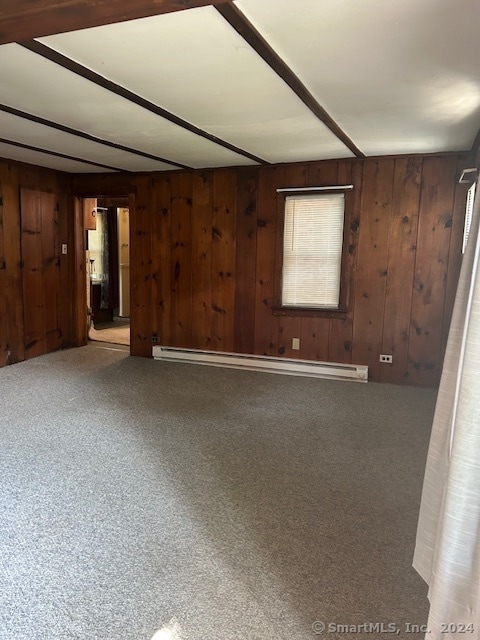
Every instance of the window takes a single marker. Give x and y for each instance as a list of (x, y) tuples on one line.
[(312, 250), (468, 215)]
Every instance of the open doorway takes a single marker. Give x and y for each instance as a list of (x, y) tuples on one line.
[(107, 259)]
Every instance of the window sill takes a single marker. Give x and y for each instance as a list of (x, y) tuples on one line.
[(310, 312)]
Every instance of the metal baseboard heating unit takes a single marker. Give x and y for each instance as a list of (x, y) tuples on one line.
[(286, 366)]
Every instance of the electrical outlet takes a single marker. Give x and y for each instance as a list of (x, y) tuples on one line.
[(155, 339), (386, 358), (296, 344)]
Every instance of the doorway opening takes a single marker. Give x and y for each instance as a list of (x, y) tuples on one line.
[(107, 260)]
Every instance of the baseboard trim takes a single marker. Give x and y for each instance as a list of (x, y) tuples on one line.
[(270, 364)]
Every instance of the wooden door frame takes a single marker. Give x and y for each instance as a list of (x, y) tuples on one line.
[(80, 264)]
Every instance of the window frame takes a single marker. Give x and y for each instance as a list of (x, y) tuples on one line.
[(348, 248)]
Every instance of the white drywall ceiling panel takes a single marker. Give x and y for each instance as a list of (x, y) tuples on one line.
[(38, 135), (30, 83), (45, 160), (194, 64), (397, 76)]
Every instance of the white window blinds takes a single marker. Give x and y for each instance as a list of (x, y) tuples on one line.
[(468, 215), (312, 250)]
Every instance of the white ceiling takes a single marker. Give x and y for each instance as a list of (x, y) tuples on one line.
[(397, 77)]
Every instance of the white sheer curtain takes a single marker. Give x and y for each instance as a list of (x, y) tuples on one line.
[(447, 552)]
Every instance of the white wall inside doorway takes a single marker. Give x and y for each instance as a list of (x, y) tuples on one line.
[(124, 261)]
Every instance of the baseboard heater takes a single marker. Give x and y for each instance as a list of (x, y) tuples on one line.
[(286, 366)]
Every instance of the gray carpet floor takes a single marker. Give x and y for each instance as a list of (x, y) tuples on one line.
[(205, 504)]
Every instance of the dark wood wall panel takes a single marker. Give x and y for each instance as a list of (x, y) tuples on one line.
[(223, 260), (205, 245), (288, 327), (321, 174), (372, 267), (51, 271), (314, 338), (141, 269), (431, 269), (33, 293), (401, 264), (9, 186), (160, 255), (314, 332), (3, 301), (266, 324), (43, 321), (181, 260), (340, 336), (41, 272), (66, 301), (245, 260), (78, 268), (202, 204)]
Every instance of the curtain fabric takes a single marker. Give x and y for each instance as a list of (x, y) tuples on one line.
[(447, 552)]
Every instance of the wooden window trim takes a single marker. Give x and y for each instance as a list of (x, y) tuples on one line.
[(343, 309), (310, 312)]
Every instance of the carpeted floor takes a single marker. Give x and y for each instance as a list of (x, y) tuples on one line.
[(115, 332), (139, 496)]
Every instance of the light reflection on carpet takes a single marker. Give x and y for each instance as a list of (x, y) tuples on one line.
[(110, 332)]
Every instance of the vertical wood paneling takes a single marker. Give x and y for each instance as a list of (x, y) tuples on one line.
[(41, 272), (65, 235), (3, 284), (428, 300), (288, 327), (141, 270), (197, 242), (372, 263), (401, 265), (270, 179), (52, 325), (33, 295), (50, 252), (202, 223), (160, 252), (341, 329), (323, 174), (10, 180), (223, 259), (181, 260), (246, 259), (314, 338), (315, 342), (78, 277), (89, 214)]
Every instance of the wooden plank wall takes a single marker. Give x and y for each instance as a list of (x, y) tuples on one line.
[(49, 286), (40, 271), (204, 247), (3, 296)]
